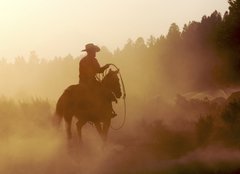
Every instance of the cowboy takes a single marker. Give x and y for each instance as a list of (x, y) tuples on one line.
[(89, 68)]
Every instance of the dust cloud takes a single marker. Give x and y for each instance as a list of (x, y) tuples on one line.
[(44, 151), (183, 107), (159, 136), (167, 129)]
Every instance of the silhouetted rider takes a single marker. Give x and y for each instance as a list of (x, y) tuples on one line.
[(88, 69), (89, 66)]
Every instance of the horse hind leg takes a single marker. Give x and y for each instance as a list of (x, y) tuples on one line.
[(68, 128), (68, 124)]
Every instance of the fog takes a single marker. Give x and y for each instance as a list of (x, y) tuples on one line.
[(166, 138), (166, 130), (183, 106)]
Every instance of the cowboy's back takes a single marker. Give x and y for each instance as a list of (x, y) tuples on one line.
[(88, 68)]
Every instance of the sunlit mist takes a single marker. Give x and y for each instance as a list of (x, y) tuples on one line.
[(55, 28), (178, 62)]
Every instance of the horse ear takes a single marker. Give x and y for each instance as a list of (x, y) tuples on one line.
[(117, 71)]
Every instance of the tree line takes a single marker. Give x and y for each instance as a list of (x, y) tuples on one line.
[(205, 54)]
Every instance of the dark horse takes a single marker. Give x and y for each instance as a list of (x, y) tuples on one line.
[(90, 104)]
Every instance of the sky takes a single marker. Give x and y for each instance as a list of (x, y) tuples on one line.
[(61, 27)]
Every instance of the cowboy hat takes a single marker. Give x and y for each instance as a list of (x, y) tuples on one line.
[(91, 47)]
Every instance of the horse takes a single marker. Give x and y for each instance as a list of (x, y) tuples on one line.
[(89, 105)]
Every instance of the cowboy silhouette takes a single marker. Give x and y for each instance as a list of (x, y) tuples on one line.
[(89, 67)]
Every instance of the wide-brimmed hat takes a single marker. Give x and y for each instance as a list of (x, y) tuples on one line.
[(91, 47)]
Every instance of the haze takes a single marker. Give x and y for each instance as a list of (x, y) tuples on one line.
[(182, 90), (60, 27)]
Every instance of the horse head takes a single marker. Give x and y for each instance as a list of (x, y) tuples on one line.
[(111, 82)]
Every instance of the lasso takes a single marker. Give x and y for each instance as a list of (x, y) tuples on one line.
[(124, 99)]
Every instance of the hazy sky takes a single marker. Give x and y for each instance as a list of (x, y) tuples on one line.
[(59, 27)]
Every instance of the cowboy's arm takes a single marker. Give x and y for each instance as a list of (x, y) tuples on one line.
[(102, 69), (99, 68)]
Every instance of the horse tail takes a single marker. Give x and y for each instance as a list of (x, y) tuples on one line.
[(59, 111), (60, 108)]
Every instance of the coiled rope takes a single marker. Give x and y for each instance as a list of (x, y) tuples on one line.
[(124, 100)]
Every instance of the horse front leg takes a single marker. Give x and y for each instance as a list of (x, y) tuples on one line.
[(106, 126), (99, 129)]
